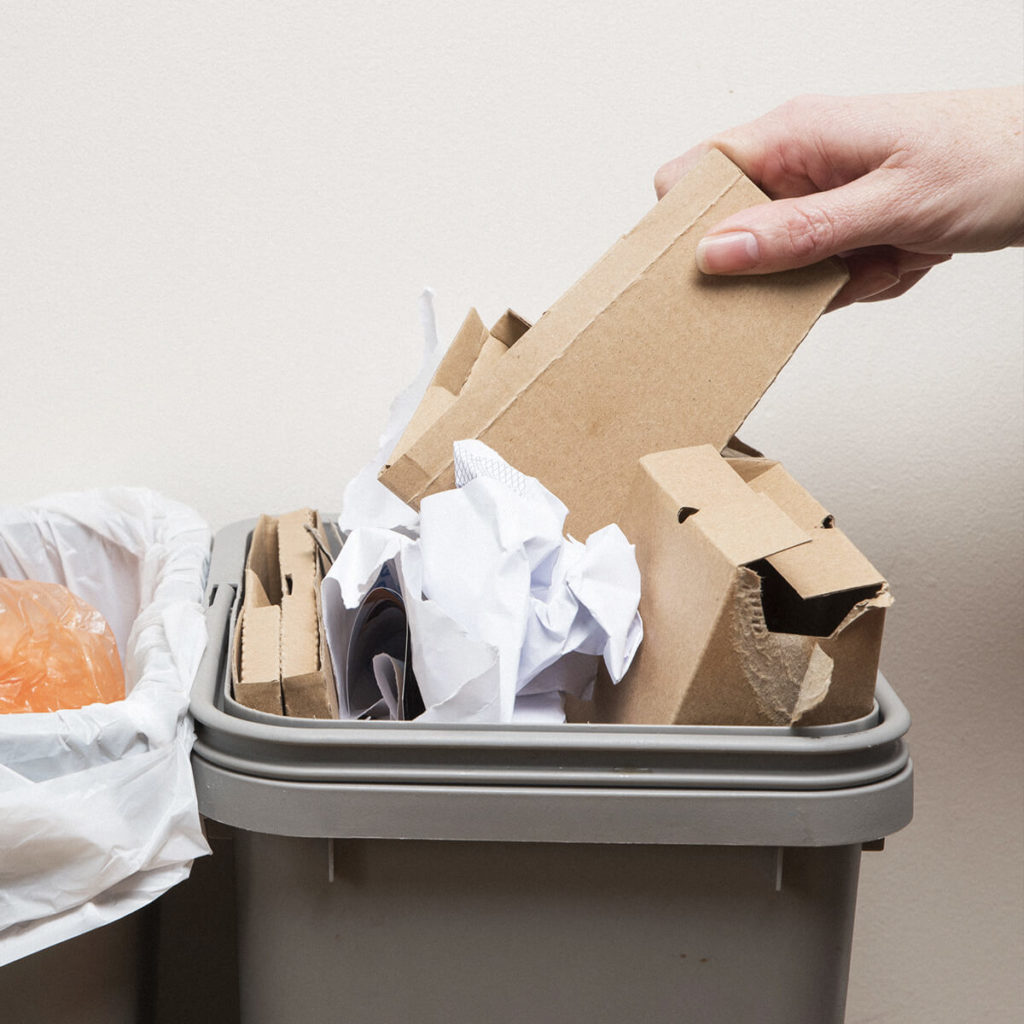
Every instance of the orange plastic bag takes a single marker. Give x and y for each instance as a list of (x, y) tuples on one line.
[(56, 651)]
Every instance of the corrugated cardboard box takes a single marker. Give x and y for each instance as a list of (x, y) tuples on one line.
[(642, 354), (281, 663), (757, 609)]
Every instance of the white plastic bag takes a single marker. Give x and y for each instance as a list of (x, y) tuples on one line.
[(98, 811)]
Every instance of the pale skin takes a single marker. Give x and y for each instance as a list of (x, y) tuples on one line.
[(891, 184)]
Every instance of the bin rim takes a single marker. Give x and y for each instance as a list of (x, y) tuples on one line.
[(252, 742), (555, 783)]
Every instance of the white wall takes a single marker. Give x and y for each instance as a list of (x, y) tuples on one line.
[(215, 219)]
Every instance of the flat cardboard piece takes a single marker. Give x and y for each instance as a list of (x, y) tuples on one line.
[(256, 663), (750, 617), (281, 664), (643, 353)]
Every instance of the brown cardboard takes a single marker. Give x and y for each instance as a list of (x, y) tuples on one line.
[(281, 664), (467, 363), (757, 609), (642, 354)]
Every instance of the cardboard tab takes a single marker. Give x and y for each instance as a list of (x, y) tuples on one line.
[(749, 530), (829, 565), (745, 525), (642, 354), (832, 563), (768, 477)]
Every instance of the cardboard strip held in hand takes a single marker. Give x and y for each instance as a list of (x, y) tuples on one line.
[(280, 660), (757, 609), (642, 354)]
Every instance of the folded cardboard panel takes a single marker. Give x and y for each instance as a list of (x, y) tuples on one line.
[(281, 664), (757, 609), (644, 353), (467, 363)]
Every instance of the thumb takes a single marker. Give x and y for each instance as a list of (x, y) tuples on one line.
[(796, 232)]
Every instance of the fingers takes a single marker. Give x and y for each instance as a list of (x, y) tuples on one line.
[(906, 283), (899, 287), (933, 173), (796, 232), (809, 144), (882, 273), (668, 174), (749, 147)]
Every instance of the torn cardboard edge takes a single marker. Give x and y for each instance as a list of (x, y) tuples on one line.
[(757, 609), (642, 354), (280, 661)]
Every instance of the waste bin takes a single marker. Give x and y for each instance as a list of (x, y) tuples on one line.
[(397, 871), (98, 814)]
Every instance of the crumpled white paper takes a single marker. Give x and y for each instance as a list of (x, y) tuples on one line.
[(98, 810), (505, 613)]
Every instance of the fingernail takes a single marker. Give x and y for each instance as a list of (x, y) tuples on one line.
[(727, 253)]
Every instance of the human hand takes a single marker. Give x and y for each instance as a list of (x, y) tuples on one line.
[(891, 184)]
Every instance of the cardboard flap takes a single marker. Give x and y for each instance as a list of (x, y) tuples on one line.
[(296, 551), (262, 561), (765, 476), (705, 493), (434, 402), (255, 592), (260, 655), (300, 631), (749, 530), (453, 370), (490, 352), (830, 564), (643, 353), (451, 374), (694, 478), (468, 361)]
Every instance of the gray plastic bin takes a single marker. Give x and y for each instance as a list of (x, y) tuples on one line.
[(393, 872)]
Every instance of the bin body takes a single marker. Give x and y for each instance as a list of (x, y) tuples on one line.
[(544, 932), (395, 871), (102, 977)]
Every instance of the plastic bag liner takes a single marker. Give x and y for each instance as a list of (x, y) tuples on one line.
[(98, 812)]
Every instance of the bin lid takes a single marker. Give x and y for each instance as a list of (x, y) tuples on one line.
[(694, 785)]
